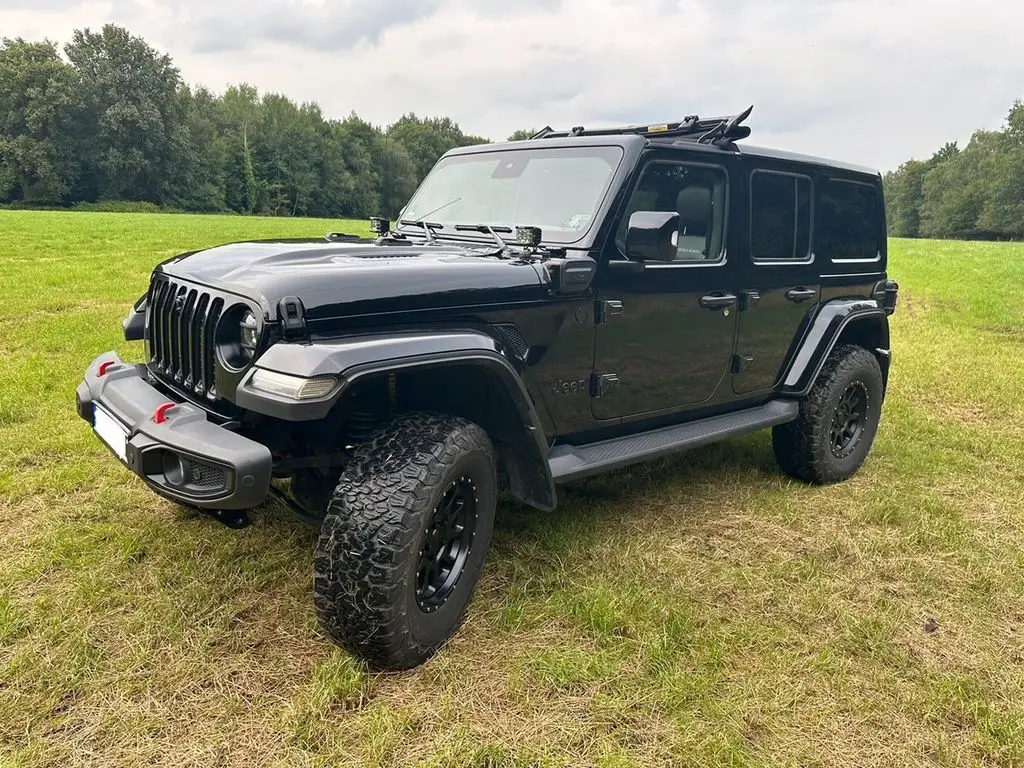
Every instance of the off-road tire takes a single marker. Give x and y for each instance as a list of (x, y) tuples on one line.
[(376, 527), (804, 447)]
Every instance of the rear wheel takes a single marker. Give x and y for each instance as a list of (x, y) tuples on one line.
[(404, 537), (832, 436)]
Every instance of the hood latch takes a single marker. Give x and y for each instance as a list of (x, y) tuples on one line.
[(293, 317)]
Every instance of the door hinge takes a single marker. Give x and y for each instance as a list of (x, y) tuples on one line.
[(741, 363), (602, 384), (605, 309)]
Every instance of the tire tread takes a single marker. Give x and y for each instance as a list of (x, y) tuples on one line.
[(802, 446), (366, 543)]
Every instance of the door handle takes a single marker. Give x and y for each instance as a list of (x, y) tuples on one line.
[(801, 294), (717, 301)]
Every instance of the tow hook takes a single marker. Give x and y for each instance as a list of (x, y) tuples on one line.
[(233, 518)]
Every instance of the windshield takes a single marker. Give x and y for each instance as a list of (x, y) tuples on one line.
[(556, 189)]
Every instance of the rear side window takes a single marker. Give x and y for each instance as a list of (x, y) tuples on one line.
[(780, 217), (849, 225)]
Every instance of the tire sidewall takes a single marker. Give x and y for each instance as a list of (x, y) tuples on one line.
[(431, 629)]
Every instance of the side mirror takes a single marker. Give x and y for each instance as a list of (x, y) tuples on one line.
[(652, 236)]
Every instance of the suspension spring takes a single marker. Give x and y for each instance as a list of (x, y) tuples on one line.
[(360, 425)]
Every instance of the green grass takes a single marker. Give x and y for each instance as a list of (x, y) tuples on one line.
[(698, 611)]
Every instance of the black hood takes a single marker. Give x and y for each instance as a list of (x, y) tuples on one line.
[(335, 279)]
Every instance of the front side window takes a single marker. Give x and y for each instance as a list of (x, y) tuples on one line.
[(850, 221), (697, 193), (557, 189), (780, 217)]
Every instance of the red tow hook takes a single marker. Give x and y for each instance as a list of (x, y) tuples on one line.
[(160, 414), (104, 367)]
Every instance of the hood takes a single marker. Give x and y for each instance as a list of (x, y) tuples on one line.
[(335, 279)]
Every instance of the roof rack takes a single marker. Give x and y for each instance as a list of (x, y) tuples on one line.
[(713, 130)]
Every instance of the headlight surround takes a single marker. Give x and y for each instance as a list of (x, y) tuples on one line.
[(292, 387), (238, 336)]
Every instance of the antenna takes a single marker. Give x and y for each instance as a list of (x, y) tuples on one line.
[(387, 170)]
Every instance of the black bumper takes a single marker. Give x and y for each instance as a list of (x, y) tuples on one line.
[(180, 453)]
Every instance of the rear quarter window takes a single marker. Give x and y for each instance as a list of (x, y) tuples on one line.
[(849, 221)]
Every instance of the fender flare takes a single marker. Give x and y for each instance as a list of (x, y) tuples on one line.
[(823, 334), (355, 358)]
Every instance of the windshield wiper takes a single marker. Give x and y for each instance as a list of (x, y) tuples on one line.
[(488, 230), (428, 227)]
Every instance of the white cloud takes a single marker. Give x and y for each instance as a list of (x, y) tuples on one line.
[(871, 81)]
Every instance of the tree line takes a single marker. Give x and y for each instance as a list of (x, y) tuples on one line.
[(972, 193), (112, 120)]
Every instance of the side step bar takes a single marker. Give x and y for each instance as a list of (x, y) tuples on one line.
[(570, 462)]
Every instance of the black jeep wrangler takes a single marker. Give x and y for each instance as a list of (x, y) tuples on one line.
[(543, 310)]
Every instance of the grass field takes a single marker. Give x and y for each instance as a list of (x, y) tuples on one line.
[(699, 611)]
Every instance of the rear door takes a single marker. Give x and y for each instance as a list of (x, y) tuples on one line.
[(779, 277), (665, 336)]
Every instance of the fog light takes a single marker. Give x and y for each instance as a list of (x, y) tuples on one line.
[(293, 387), (174, 471)]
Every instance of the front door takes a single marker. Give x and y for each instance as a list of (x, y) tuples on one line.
[(665, 334), (779, 282)]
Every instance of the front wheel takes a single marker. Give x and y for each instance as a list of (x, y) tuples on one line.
[(404, 537), (832, 436)]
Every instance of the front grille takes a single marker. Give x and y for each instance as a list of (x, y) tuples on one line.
[(182, 320)]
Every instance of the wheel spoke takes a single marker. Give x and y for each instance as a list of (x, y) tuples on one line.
[(446, 545), (848, 419)]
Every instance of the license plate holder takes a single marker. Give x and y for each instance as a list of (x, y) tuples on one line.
[(111, 431)]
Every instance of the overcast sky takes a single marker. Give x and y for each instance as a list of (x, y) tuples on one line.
[(871, 81)]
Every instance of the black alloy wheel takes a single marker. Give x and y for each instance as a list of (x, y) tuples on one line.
[(447, 544), (849, 419)]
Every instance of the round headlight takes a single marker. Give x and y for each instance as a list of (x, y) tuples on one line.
[(250, 333), (238, 336)]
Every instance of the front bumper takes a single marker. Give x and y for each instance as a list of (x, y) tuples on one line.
[(172, 446)]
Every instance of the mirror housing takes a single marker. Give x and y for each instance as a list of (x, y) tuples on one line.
[(651, 236)]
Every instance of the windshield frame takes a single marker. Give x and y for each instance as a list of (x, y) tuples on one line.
[(630, 146)]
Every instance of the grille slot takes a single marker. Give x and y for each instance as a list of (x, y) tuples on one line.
[(182, 319)]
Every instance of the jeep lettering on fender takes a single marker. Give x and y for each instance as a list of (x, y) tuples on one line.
[(569, 387), (380, 387)]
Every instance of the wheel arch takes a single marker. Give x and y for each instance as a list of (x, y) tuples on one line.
[(462, 373), (862, 322)]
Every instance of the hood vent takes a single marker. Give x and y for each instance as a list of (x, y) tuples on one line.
[(513, 339), (384, 254)]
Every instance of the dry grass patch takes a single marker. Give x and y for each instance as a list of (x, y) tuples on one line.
[(697, 611)]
